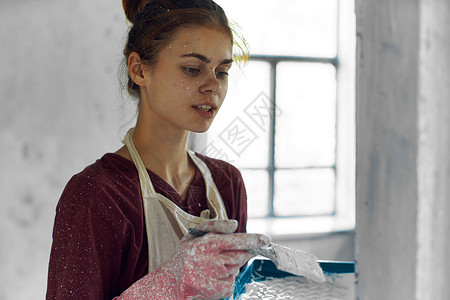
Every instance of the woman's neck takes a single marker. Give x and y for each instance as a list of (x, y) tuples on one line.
[(162, 149), (164, 156)]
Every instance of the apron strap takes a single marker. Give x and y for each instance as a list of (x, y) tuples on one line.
[(146, 184), (215, 202)]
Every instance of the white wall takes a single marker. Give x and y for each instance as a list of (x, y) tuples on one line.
[(60, 110), (403, 169)]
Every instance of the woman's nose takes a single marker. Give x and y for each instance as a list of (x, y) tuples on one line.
[(211, 84)]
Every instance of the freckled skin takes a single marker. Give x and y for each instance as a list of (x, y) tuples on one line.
[(176, 83)]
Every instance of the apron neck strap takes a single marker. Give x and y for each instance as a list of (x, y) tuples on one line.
[(214, 199), (144, 179)]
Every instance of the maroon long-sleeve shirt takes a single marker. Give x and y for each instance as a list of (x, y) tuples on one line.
[(99, 238)]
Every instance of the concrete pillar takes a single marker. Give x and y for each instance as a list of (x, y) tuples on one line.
[(403, 113), (433, 240)]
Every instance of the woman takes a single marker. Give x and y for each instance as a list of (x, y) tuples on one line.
[(121, 228)]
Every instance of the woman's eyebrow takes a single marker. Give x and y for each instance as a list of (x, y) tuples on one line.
[(226, 61), (205, 59)]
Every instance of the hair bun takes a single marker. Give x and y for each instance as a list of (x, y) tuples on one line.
[(133, 7)]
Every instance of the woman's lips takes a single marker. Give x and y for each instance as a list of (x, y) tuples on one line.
[(204, 111)]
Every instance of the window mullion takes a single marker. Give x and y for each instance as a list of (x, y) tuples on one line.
[(271, 166)]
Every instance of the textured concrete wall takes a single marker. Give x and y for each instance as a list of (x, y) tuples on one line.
[(386, 151), (433, 265), (60, 110), (403, 117)]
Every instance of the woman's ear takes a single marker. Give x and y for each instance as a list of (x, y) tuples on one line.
[(135, 69)]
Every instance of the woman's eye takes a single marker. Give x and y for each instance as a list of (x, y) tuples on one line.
[(221, 74), (191, 70)]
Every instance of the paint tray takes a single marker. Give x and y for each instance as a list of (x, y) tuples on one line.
[(260, 279)]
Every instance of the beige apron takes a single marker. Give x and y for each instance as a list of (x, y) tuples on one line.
[(166, 223)]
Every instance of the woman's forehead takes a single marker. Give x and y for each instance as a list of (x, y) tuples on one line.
[(209, 42)]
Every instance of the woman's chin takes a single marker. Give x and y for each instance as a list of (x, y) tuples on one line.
[(197, 130), (200, 128)]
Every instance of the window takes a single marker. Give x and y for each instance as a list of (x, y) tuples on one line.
[(288, 120)]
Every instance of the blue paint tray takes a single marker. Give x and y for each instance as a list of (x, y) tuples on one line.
[(261, 279)]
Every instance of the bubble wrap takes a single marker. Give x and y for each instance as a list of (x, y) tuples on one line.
[(292, 287)]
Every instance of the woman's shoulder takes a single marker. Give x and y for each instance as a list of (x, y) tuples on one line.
[(106, 172), (111, 180)]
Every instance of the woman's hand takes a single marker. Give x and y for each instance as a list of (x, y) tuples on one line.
[(201, 267), (208, 265)]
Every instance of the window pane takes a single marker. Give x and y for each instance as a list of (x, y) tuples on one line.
[(306, 129), (286, 27), (304, 192), (238, 133), (256, 184)]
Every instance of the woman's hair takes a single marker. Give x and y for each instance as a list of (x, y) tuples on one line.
[(155, 22)]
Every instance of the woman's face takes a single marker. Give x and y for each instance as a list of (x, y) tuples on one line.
[(188, 84)]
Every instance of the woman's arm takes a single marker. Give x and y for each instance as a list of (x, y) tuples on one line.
[(85, 259)]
